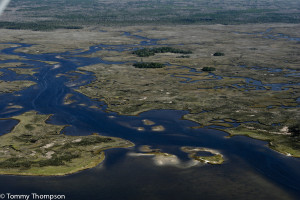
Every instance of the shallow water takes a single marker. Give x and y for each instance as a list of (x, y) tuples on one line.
[(251, 170)]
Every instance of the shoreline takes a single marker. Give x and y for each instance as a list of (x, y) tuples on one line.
[(228, 132), (80, 169), (36, 148)]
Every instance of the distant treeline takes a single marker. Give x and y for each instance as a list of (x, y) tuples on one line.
[(152, 51), (36, 26), (150, 12), (148, 65)]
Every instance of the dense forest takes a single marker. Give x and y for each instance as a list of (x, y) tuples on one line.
[(146, 52)]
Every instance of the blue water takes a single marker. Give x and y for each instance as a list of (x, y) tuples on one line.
[(7, 125), (251, 169)]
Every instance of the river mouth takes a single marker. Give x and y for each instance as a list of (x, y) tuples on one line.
[(251, 170)]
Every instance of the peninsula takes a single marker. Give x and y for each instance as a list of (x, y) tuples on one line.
[(36, 148)]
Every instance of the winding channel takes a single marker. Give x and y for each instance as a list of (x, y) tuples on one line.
[(250, 165)]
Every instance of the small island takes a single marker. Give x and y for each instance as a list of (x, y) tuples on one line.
[(208, 69), (219, 54), (36, 148), (146, 52), (160, 158), (215, 159), (148, 122)]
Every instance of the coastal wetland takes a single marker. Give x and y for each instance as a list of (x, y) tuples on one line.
[(178, 116)]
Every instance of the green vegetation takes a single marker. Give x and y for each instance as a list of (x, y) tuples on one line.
[(208, 69), (286, 144), (74, 13), (148, 65), (219, 54), (146, 52), (25, 164), (34, 147), (93, 141)]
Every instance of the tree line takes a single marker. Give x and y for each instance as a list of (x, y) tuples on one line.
[(146, 52)]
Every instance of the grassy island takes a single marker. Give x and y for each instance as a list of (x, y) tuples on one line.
[(160, 158), (34, 147), (152, 51), (13, 86)]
